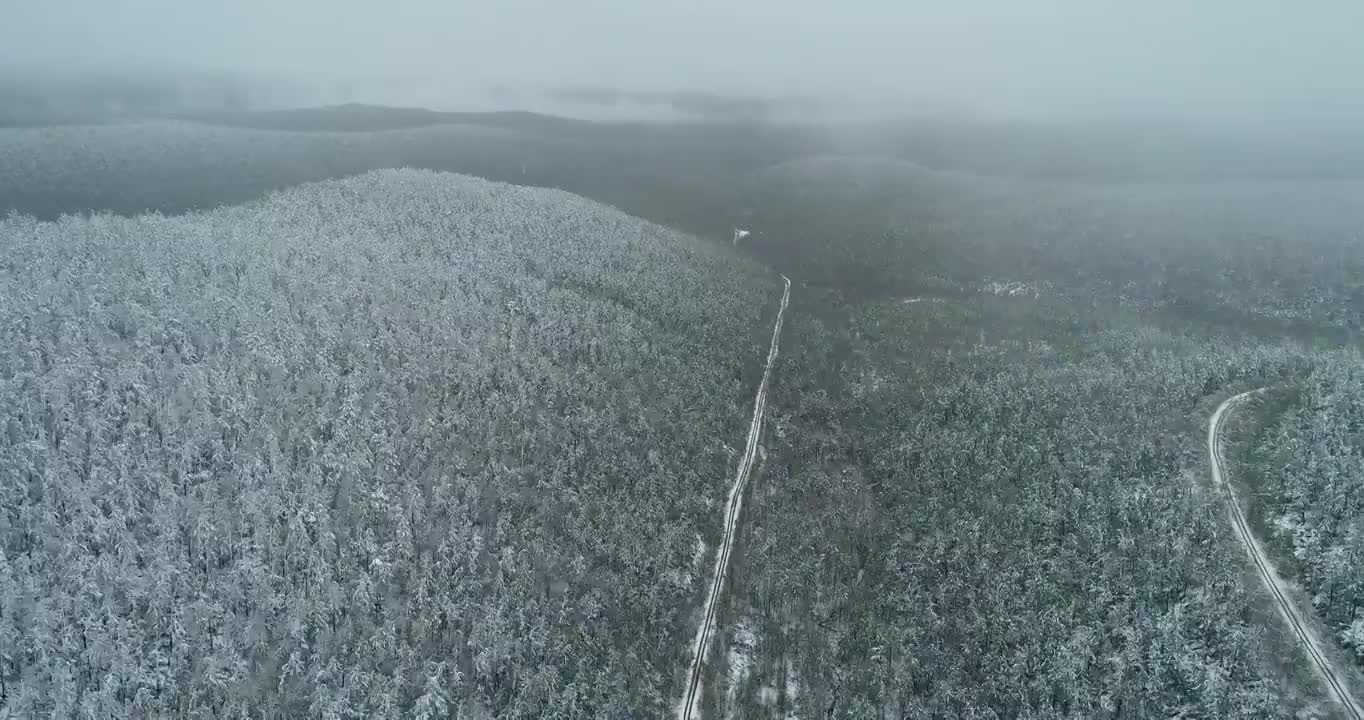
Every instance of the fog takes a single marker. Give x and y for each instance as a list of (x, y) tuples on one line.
[(1219, 59)]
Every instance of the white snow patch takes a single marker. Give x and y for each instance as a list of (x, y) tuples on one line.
[(792, 685), (743, 642), (768, 695), (1285, 525), (677, 578), (683, 579), (1010, 288), (869, 382)]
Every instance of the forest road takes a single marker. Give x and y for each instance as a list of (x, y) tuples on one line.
[(691, 694), (1273, 582)]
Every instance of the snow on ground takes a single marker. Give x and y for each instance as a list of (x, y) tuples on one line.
[(768, 695), (1285, 524), (792, 688), (1010, 288), (743, 643)]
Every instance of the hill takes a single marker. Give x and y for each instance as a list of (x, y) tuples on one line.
[(175, 167), (680, 175), (397, 443)]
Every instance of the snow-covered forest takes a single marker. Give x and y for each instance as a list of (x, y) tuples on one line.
[(406, 443), (1302, 453), (412, 444), (1007, 512)]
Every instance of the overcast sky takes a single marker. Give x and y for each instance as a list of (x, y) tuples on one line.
[(1189, 55)]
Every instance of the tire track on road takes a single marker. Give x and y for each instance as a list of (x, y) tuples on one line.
[(1268, 574)]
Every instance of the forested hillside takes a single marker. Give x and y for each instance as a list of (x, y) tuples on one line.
[(993, 507), (1301, 451), (407, 444)]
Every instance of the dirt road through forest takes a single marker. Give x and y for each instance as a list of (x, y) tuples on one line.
[(691, 694), (1273, 582)]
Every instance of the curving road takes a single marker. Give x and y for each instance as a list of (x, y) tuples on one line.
[(691, 695), (1273, 582)]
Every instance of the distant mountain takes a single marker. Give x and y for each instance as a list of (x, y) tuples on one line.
[(681, 175), (355, 117)]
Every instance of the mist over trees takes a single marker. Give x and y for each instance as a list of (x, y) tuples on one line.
[(1281, 256)]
